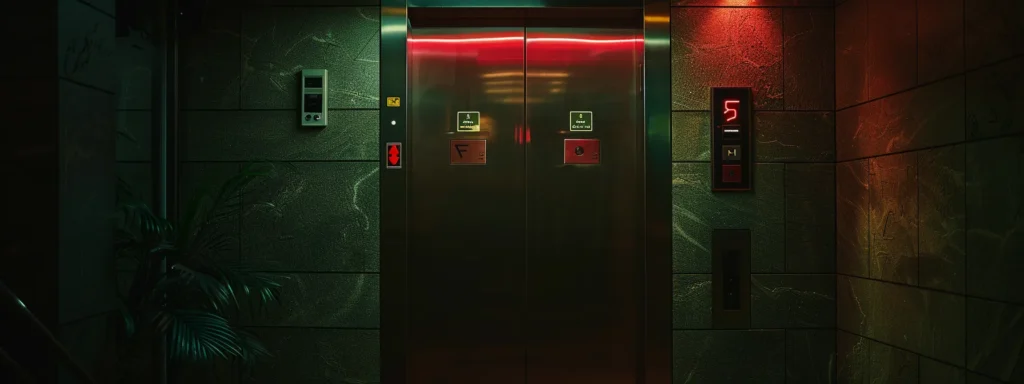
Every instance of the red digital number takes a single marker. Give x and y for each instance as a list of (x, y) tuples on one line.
[(730, 112)]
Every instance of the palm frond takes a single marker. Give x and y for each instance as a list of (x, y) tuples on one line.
[(129, 320), (240, 280), (124, 189), (198, 335), (264, 287), (137, 215), (214, 206), (126, 135), (252, 348), (216, 292)]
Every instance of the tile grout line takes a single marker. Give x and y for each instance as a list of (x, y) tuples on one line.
[(867, 60), (918, 355), (238, 168), (935, 290), (782, 58), (834, 375), (926, 84), (900, 152), (917, 43), (963, 54)]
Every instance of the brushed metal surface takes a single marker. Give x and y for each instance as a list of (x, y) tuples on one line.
[(467, 243), (526, 269), (585, 245)]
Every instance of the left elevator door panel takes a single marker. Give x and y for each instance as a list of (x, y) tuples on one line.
[(466, 220)]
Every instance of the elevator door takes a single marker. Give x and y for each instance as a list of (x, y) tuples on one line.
[(523, 268)]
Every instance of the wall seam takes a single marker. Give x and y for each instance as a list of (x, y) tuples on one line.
[(917, 42), (241, 59), (906, 151), (902, 349), (967, 139), (782, 58), (934, 290), (917, 192), (834, 375), (932, 82)]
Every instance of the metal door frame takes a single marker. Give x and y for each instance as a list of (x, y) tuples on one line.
[(656, 354)]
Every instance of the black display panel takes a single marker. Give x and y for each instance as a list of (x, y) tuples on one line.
[(731, 132), (314, 103), (314, 82)]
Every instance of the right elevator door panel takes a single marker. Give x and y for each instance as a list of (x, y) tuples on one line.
[(584, 223)]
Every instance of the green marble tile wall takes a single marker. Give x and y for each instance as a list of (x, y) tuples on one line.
[(777, 49), (929, 189), (87, 97), (239, 76)]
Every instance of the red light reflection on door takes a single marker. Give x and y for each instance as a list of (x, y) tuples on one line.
[(552, 50), (522, 134), (569, 40), (730, 112)]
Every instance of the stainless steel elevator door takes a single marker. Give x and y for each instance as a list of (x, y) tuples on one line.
[(584, 244), (467, 241), (524, 269)]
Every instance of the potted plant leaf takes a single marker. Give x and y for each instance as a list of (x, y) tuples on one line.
[(182, 288)]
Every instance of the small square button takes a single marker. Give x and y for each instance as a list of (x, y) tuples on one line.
[(731, 152), (732, 174)]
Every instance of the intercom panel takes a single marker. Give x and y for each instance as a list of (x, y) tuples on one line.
[(314, 98)]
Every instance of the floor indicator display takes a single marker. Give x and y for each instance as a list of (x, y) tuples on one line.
[(468, 152), (582, 151), (581, 121), (468, 121), (731, 139)]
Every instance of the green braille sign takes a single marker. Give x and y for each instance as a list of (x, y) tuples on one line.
[(581, 121), (468, 121)]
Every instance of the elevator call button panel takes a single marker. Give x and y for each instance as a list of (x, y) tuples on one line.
[(731, 144), (468, 121), (582, 151), (467, 152), (581, 121)]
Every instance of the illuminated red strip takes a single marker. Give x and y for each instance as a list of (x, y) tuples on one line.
[(520, 38)]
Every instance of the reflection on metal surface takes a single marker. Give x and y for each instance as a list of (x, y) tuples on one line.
[(513, 40), (658, 191), (584, 222), (518, 83), (491, 248), (504, 90), (466, 239), (523, 3), (520, 74), (657, 19)]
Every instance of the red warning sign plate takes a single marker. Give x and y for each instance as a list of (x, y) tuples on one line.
[(582, 151), (468, 152)]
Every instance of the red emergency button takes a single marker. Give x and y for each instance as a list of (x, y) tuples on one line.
[(732, 173)]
